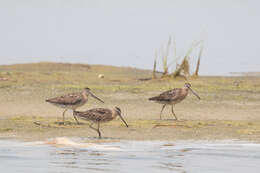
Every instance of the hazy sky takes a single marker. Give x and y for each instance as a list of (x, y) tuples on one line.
[(126, 33)]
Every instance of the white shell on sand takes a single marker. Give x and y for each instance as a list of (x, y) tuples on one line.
[(101, 76)]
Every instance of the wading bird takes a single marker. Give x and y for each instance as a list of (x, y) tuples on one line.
[(72, 101), (173, 97), (99, 115)]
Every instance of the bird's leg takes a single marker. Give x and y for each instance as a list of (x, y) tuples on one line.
[(97, 130), (99, 134), (75, 118), (162, 111), (174, 114), (90, 126), (63, 116)]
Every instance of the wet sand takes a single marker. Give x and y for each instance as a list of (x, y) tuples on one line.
[(199, 120)]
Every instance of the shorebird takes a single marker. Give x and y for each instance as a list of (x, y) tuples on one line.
[(173, 97), (99, 115), (72, 101)]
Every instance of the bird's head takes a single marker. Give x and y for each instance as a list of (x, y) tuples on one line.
[(118, 111), (87, 91), (188, 87)]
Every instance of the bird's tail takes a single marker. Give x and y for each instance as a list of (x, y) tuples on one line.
[(152, 98)]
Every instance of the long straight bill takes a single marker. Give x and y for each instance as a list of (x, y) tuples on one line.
[(96, 98), (123, 120), (195, 93)]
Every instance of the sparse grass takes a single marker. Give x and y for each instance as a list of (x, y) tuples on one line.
[(183, 68), (196, 73)]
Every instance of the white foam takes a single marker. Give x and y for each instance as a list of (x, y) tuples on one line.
[(68, 142)]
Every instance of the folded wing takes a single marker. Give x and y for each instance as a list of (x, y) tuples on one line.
[(170, 95), (98, 114), (70, 99)]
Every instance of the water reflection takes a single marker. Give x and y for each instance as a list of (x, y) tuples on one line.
[(75, 159), (128, 156)]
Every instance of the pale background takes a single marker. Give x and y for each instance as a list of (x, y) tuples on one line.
[(126, 33)]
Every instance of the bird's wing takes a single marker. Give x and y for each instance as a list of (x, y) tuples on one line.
[(69, 99), (169, 95), (97, 114)]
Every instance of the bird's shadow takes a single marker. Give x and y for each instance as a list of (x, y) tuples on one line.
[(170, 119), (68, 123)]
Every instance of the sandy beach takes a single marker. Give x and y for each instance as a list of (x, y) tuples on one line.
[(225, 111)]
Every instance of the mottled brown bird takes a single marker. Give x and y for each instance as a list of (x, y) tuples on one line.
[(173, 97), (99, 115), (72, 101)]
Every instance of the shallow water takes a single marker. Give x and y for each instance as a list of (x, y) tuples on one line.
[(77, 155)]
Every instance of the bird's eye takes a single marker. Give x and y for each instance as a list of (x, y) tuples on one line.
[(118, 109)]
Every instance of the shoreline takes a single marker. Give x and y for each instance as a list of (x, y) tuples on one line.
[(74, 141), (39, 128)]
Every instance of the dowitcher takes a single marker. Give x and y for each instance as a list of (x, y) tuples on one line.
[(99, 115), (173, 97), (72, 101)]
